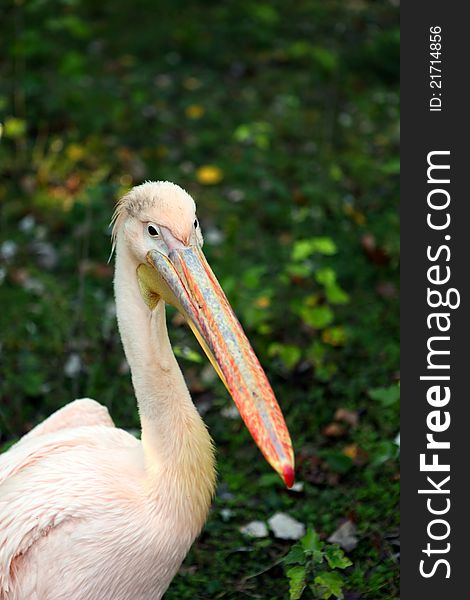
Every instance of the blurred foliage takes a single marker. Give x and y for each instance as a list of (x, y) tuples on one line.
[(282, 122)]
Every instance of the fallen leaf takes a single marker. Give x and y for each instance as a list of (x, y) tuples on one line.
[(332, 479), (75, 152), (345, 536), (103, 270), (203, 406), (208, 374), (19, 276), (356, 454), (368, 242), (191, 570), (235, 195), (8, 250), (313, 469), (99, 270), (28, 184), (263, 302), (209, 175), (386, 290), (194, 111), (333, 430), (375, 254), (124, 368), (230, 412), (72, 183), (45, 254), (347, 416), (27, 224), (193, 381), (34, 285), (213, 236), (178, 320), (227, 514), (73, 365), (192, 83)]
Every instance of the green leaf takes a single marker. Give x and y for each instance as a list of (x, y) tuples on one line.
[(386, 396), (316, 352), (318, 317), (252, 276), (258, 133), (299, 49), (302, 249), (302, 270), (265, 13), (14, 128), (31, 383), (269, 480), (296, 577), (290, 355), (324, 245), (334, 336), (335, 294), (336, 558), (392, 166), (295, 556), (329, 583), (325, 58), (338, 462), (311, 541), (384, 450), (325, 276), (187, 353)]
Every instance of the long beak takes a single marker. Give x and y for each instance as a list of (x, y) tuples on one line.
[(185, 280)]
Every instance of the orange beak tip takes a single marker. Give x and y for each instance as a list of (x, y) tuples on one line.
[(288, 474)]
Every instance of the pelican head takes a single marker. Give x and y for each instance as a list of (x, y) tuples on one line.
[(160, 225)]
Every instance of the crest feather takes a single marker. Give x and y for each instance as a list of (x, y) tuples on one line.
[(171, 201)]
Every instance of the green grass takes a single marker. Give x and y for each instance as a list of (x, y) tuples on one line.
[(296, 110)]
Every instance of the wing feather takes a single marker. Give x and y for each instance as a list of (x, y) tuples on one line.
[(48, 480), (79, 413)]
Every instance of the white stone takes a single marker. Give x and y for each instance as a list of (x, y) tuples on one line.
[(256, 529), (285, 527)]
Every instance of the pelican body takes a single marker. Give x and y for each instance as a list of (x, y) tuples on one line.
[(89, 512)]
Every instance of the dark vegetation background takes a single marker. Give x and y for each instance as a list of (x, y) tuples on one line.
[(282, 121)]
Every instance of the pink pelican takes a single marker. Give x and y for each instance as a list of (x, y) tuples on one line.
[(87, 511)]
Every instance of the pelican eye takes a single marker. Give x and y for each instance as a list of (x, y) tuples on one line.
[(152, 230), (195, 224)]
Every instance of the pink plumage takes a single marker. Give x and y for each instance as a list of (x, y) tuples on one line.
[(87, 511)]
